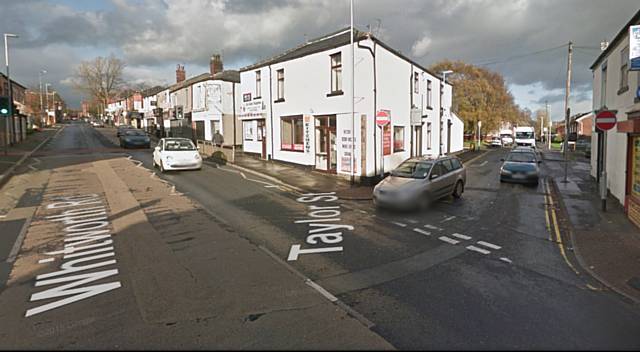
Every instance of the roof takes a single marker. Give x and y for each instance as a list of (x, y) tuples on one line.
[(227, 76), (624, 31), (152, 91), (328, 42), (14, 82), (581, 116)]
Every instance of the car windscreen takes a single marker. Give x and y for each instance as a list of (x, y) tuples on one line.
[(412, 169), (522, 157), (176, 145), (524, 135), (134, 133)]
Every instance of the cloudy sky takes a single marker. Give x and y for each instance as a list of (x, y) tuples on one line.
[(152, 36)]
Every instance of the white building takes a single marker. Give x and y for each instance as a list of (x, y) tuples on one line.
[(616, 88), (296, 107), (150, 121)]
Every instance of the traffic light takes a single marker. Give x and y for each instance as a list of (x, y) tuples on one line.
[(179, 113), (4, 106)]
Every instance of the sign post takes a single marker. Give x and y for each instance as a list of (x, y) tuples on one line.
[(383, 118), (605, 120)]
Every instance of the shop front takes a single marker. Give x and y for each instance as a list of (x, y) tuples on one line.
[(632, 200)]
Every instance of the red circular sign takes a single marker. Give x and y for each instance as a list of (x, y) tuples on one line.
[(605, 120), (383, 117)]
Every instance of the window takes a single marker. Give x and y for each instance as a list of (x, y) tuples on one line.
[(258, 85), (429, 94), (412, 169), (437, 170), (280, 92), (456, 164), (336, 73), (292, 134), (624, 70), (428, 135), (416, 83), (448, 166), (398, 138), (603, 85), (248, 130)]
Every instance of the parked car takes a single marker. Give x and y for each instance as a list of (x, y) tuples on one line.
[(122, 128), (584, 145), (176, 154), (419, 181), (496, 142), (521, 165), (134, 138), (97, 123)]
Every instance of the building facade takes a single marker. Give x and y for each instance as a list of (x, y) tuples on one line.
[(296, 107), (616, 88)]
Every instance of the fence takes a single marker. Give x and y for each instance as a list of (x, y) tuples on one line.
[(220, 154)]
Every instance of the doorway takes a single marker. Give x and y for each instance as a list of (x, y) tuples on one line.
[(326, 151), (418, 144), (261, 131)]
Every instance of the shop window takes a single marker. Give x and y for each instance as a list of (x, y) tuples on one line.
[(398, 139), (248, 130), (336, 73), (292, 138)]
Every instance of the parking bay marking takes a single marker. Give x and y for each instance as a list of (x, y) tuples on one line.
[(479, 250), (489, 245), (426, 233), (448, 240), (461, 236), (399, 224)]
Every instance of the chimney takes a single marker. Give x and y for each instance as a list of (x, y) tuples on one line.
[(181, 75), (215, 64)]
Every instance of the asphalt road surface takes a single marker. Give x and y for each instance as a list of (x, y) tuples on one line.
[(480, 272)]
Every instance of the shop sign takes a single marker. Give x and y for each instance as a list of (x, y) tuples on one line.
[(246, 97), (307, 134), (634, 48), (346, 146), (386, 140), (416, 117)]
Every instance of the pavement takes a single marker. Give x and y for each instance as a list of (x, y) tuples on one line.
[(308, 180), (17, 153), (606, 244)]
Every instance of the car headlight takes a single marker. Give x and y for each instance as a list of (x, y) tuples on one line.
[(197, 156), (505, 172)]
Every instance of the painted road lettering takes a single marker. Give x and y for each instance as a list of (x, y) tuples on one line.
[(323, 225), (88, 250)]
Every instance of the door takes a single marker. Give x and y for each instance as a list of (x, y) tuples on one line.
[(326, 150), (418, 144), (262, 137), (438, 179), (449, 123)]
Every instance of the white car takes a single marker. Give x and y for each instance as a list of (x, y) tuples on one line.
[(176, 154)]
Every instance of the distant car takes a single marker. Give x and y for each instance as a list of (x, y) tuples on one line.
[(521, 165), (97, 123), (122, 128), (418, 182), (496, 142), (176, 154), (584, 145), (134, 138)]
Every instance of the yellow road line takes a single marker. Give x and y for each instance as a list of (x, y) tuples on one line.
[(546, 209), (558, 237)]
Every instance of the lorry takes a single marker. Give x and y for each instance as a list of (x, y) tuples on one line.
[(525, 136), (506, 137)]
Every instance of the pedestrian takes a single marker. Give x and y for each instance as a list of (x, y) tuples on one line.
[(218, 139)]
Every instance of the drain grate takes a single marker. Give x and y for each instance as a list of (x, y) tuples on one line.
[(634, 282)]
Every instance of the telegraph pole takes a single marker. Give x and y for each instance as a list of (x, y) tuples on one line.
[(546, 107), (567, 111)]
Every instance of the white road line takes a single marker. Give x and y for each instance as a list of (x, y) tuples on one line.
[(448, 240), (362, 211), (479, 250), (483, 163), (448, 219), (461, 236), (322, 291), (399, 224), (426, 233), (432, 227), (507, 260), (489, 245), (47, 260), (271, 186), (411, 221)]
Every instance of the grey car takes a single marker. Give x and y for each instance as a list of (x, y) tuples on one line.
[(418, 182), (521, 166)]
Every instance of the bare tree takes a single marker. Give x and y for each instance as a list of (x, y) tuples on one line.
[(100, 79)]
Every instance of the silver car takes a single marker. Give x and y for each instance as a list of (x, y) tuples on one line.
[(417, 182)]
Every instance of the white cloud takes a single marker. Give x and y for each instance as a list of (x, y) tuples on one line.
[(421, 46)]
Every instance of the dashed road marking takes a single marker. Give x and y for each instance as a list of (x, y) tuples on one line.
[(46, 260), (448, 219), (448, 240), (489, 245), (399, 224), (461, 236), (411, 221), (507, 260), (431, 227), (426, 233), (479, 250)]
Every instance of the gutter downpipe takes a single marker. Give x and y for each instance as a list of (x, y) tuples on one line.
[(235, 121), (271, 110), (411, 88), (375, 107)]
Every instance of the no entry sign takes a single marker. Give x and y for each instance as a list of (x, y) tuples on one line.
[(383, 117), (605, 120)]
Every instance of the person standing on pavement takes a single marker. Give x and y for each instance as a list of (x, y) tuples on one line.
[(218, 139)]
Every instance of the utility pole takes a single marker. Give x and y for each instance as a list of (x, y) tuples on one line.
[(353, 115), (546, 107), (567, 111), (41, 103)]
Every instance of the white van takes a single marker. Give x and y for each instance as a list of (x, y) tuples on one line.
[(525, 136)]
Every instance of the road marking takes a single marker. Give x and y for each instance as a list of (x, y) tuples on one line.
[(487, 244), (431, 227), (362, 211), (18, 243), (399, 224), (557, 232), (448, 240), (461, 236), (426, 233), (448, 219), (507, 260), (411, 221), (271, 186), (322, 291), (479, 250), (46, 260), (483, 163)]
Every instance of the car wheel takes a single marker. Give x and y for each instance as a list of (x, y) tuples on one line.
[(162, 170), (458, 189)]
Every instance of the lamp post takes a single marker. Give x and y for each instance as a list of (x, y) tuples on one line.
[(442, 86), (42, 72), (46, 97), (10, 115)]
